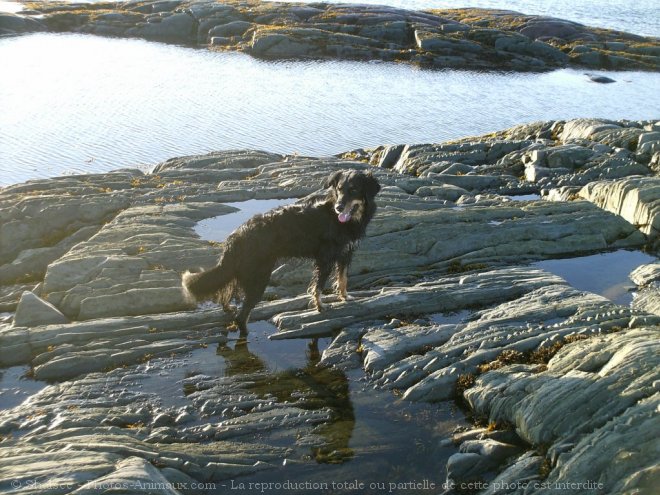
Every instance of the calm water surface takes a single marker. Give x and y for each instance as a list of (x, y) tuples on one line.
[(73, 103)]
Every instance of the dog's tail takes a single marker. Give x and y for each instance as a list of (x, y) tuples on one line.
[(207, 284)]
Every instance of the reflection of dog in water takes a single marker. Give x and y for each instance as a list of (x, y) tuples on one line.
[(322, 388), (325, 227)]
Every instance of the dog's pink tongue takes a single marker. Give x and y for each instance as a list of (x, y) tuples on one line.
[(344, 217)]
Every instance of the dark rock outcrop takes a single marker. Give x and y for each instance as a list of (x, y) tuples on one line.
[(456, 38)]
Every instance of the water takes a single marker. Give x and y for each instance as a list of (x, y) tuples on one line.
[(640, 17), (525, 197), (218, 228), (372, 437), (606, 274), (74, 103)]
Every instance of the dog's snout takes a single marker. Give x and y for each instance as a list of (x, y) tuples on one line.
[(339, 207)]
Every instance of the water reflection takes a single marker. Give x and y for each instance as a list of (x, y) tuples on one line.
[(311, 387)]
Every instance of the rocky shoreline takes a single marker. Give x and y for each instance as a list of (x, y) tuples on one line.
[(564, 382), (466, 38)]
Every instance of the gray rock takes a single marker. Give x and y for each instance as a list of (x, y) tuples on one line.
[(636, 199), (177, 27), (585, 128), (135, 472), (599, 365), (648, 300), (34, 311), (600, 79), (465, 468), (234, 28), (15, 23), (645, 274), (446, 192)]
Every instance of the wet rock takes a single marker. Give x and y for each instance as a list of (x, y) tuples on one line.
[(34, 311)]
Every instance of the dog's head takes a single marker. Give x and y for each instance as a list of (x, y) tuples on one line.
[(352, 192)]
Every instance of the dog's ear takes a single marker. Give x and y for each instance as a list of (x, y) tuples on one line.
[(371, 185), (333, 179)]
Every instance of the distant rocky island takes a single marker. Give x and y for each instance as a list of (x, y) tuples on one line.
[(467, 38), (562, 384)]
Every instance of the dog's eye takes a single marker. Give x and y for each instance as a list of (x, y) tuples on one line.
[(352, 190)]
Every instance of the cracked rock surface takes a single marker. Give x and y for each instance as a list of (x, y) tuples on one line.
[(135, 383)]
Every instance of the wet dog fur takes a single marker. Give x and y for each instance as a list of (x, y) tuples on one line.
[(325, 227)]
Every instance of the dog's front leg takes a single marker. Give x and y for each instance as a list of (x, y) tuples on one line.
[(341, 283), (322, 270)]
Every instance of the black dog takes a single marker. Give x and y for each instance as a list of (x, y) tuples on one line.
[(325, 227)]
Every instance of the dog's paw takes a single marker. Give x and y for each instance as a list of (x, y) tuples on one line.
[(346, 297), (317, 305)]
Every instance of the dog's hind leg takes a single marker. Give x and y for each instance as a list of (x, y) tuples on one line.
[(322, 270), (253, 289)]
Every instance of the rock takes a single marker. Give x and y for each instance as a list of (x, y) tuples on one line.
[(15, 23), (600, 79), (527, 468), (645, 274), (648, 300), (34, 311), (234, 28), (648, 145), (568, 156), (465, 468), (135, 472), (446, 192), (177, 28), (383, 347), (132, 395), (617, 453), (636, 199), (390, 156), (133, 302), (489, 39), (585, 128), (607, 363), (495, 451)]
